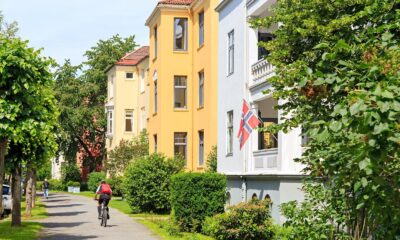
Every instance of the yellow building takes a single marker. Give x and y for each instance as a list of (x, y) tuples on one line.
[(183, 79), (127, 97)]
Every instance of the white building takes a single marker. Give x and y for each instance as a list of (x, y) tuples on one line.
[(56, 167), (264, 168)]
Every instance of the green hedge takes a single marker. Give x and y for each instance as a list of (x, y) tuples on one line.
[(245, 221), (94, 180), (55, 185), (195, 196), (147, 180), (116, 185)]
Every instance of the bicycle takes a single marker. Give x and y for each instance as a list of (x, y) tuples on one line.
[(103, 214)]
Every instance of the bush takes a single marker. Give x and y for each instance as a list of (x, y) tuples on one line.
[(212, 160), (195, 196), (54, 184), (147, 180), (70, 172), (245, 221), (39, 185), (94, 180), (116, 185)]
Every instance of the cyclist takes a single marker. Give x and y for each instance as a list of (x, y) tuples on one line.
[(105, 192)]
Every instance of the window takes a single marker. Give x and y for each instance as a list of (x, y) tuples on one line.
[(201, 28), (129, 75), (155, 143), (142, 118), (263, 37), (180, 34), (201, 89), (128, 120), (229, 132), (254, 197), (142, 80), (155, 41), (201, 148), (155, 96), (180, 91), (231, 51), (180, 144), (110, 119)]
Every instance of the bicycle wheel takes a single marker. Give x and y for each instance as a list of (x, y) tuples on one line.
[(104, 217)]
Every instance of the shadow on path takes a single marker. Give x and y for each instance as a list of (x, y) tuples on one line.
[(61, 224), (66, 213), (62, 236), (65, 205)]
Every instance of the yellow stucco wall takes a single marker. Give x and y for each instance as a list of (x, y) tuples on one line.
[(170, 63), (126, 96)]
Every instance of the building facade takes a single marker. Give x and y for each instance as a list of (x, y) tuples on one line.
[(183, 79), (264, 167), (127, 103)]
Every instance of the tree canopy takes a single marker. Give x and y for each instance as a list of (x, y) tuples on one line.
[(338, 74)]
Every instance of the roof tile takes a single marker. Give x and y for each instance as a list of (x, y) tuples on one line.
[(176, 2), (134, 57)]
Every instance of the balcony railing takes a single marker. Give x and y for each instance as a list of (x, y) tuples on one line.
[(264, 160), (260, 71)]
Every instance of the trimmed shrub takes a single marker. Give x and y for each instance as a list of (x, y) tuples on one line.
[(95, 179), (39, 185), (70, 172), (116, 185), (147, 180), (54, 184), (245, 221), (195, 196)]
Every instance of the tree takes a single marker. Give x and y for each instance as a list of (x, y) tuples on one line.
[(337, 72), (126, 152), (27, 109), (81, 100), (212, 159)]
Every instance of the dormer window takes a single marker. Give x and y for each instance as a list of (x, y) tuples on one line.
[(129, 75)]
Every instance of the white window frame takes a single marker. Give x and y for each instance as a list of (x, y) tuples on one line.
[(231, 52), (110, 121), (201, 148), (129, 78), (184, 31), (181, 143), (229, 133), (131, 117), (201, 28), (201, 88), (142, 80), (181, 87)]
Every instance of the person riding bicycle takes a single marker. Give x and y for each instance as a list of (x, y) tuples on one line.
[(105, 192)]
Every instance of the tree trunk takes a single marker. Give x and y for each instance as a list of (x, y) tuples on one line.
[(29, 192), (3, 148), (34, 178), (16, 196)]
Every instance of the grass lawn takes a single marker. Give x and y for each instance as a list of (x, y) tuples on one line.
[(155, 222), (28, 230)]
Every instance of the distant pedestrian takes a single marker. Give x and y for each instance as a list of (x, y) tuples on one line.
[(45, 188)]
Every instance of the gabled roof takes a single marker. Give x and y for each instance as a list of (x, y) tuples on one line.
[(176, 2), (132, 58)]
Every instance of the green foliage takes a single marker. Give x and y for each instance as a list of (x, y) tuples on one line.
[(44, 171), (55, 185), (212, 160), (337, 74), (246, 221), (126, 152), (195, 196), (70, 172), (116, 185), (84, 186), (147, 181), (81, 100), (39, 185), (94, 180), (73, 184)]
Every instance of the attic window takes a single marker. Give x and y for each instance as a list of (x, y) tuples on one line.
[(129, 75)]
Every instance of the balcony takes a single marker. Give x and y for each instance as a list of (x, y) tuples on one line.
[(260, 71), (265, 160)]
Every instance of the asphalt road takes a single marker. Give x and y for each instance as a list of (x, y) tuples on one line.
[(75, 217)]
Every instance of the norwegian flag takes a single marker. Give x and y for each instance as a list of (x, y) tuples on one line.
[(248, 122)]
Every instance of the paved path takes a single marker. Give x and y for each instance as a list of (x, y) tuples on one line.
[(75, 217)]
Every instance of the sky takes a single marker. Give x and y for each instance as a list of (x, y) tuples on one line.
[(65, 29)]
